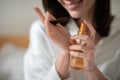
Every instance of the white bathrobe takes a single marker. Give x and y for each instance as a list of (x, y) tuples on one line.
[(39, 60)]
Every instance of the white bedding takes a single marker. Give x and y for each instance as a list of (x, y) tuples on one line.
[(11, 62)]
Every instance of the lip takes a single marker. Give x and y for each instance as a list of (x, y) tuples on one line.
[(73, 5)]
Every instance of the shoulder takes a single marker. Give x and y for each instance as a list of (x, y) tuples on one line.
[(38, 39), (37, 27), (37, 35), (115, 21), (115, 30), (111, 68), (114, 38), (37, 32), (115, 26)]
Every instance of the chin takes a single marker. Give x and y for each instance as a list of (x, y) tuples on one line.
[(75, 15)]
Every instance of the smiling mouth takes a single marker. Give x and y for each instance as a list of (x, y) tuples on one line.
[(73, 5)]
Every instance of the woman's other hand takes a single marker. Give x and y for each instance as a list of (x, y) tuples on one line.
[(57, 33), (87, 50)]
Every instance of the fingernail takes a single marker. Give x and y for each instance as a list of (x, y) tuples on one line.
[(35, 8), (69, 47), (47, 12), (84, 21)]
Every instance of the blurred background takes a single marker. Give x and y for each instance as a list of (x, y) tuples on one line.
[(16, 17)]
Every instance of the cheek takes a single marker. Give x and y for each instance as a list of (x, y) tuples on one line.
[(91, 2), (60, 1)]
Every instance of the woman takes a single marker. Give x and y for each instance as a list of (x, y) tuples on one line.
[(48, 56)]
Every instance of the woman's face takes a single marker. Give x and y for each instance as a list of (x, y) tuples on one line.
[(78, 8)]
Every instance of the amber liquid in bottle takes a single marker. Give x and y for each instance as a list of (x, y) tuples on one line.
[(77, 62)]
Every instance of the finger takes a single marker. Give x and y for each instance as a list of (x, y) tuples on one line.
[(76, 48), (62, 29), (47, 24), (58, 26), (50, 16), (85, 38), (91, 29), (72, 41), (49, 27), (84, 49), (79, 37), (39, 13), (77, 54)]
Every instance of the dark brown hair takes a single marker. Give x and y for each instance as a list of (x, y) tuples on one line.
[(102, 16)]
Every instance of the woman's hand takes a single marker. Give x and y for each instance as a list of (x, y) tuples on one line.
[(57, 33), (87, 50)]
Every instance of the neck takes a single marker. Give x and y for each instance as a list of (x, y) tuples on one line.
[(89, 16)]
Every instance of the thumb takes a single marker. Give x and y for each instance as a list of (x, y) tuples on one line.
[(91, 29), (39, 13)]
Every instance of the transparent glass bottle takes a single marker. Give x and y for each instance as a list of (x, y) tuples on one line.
[(77, 62)]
